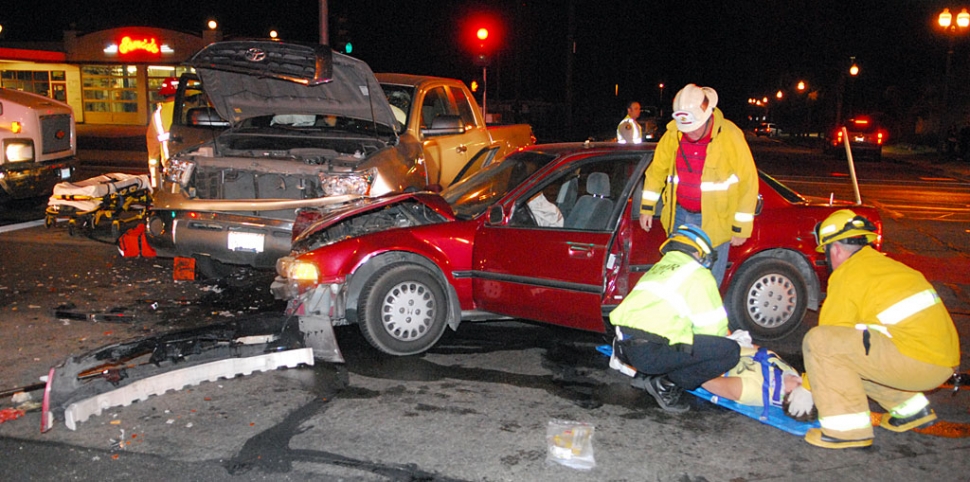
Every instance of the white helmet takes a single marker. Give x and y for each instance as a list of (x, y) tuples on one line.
[(693, 105)]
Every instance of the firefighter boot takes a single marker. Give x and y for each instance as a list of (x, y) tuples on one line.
[(922, 418), (815, 437)]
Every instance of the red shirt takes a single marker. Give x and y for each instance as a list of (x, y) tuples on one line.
[(690, 165)]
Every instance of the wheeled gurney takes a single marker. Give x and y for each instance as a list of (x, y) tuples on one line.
[(116, 196)]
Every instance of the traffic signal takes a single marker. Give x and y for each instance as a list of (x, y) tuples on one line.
[(341, 39)]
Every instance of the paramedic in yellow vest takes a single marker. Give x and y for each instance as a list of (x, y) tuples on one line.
[(883, 333), (670, 329), (158, 130), (705, 174), (629, 131)]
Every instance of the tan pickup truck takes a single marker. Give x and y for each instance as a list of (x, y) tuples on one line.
[(288, 126), (443, 115)]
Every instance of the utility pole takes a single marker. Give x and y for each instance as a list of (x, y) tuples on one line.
[(324, 19)]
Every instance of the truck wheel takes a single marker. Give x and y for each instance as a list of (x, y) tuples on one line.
[(402, 310), (768, 298)]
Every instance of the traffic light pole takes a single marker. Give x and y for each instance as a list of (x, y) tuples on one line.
[(484, 93)]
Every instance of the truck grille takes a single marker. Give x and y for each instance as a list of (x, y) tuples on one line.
[(305, 64), (56, 133)]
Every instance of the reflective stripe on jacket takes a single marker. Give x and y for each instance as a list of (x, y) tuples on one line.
[(729, 182), (676, 299), (884, 295)]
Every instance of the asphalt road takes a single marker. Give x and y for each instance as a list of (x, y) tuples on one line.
[(477, 407)]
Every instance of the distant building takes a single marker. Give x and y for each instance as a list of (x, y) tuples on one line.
[(108, 77)]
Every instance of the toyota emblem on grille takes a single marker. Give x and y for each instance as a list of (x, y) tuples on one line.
[(255, 55)]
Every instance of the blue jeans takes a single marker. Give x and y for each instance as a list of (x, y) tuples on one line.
[(683, 216)]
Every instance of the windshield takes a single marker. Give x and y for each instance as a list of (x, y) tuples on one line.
[(399, 96), (475, 194), (785, 191)]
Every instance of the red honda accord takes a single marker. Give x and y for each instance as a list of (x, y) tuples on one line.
[(404, 267)]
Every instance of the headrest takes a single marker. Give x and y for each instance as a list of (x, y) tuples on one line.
[(598, 184)]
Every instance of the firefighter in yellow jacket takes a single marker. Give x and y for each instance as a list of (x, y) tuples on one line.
[(670, 329), (156, 137), (882, 333), (704, 171)]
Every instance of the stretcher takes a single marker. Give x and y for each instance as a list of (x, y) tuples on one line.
[(118, 197)]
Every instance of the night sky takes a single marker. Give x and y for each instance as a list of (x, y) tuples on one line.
[(741, 48)]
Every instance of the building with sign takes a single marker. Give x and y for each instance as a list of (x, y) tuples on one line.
[(108, 77)]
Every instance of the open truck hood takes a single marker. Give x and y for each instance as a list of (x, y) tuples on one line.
[(246, 79)]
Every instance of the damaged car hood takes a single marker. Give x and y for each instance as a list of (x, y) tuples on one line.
[(310, 221), (246, 79)]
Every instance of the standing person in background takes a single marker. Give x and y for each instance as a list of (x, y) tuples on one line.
[(704, 171), (882, 332), (159, 125), (629, 131)]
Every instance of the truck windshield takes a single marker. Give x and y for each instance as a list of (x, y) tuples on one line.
[(475, 194)]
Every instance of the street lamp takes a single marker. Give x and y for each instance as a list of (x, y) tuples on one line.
[(840, 90), (952, 30), (661, 106)]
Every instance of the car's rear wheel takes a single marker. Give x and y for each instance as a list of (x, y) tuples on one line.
[(768, 298), (402, 310)]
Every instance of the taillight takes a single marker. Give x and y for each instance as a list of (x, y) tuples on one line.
[(879, 138)]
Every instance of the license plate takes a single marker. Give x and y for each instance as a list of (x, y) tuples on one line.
[(243, 241)]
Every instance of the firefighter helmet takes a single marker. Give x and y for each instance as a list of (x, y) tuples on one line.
[(693, 106), (844, 224), (169, 86), (691, 239)]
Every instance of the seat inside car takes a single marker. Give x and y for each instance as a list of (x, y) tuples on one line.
[(592, 210)]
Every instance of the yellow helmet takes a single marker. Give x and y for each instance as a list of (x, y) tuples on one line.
[(843, 224)]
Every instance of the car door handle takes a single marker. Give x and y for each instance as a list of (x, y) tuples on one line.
[(461, 148), (580, 249)]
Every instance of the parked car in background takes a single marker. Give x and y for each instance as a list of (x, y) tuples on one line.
[(406, 266), (768, 129), (864, 135), (38, 139)]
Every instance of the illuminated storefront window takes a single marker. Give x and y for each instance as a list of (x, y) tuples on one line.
[(109, 88), (50, 83)]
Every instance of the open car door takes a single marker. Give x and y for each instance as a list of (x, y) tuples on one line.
[(526, 268)]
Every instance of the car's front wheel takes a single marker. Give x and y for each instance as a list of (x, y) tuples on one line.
[(402, 310), (768, 298)]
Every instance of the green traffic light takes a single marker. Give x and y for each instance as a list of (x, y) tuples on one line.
[(348, 48)]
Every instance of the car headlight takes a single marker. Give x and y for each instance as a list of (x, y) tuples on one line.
[(353, 183), (17, 150), (303, 271), (178, 171)]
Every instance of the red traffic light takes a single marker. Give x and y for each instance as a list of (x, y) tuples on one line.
[(482, 33)]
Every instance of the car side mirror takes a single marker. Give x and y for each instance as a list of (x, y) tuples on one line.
[(496, 216), (205, 117), (445, 125)]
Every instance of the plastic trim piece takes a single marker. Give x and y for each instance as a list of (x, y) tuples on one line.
[(175, 380)]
